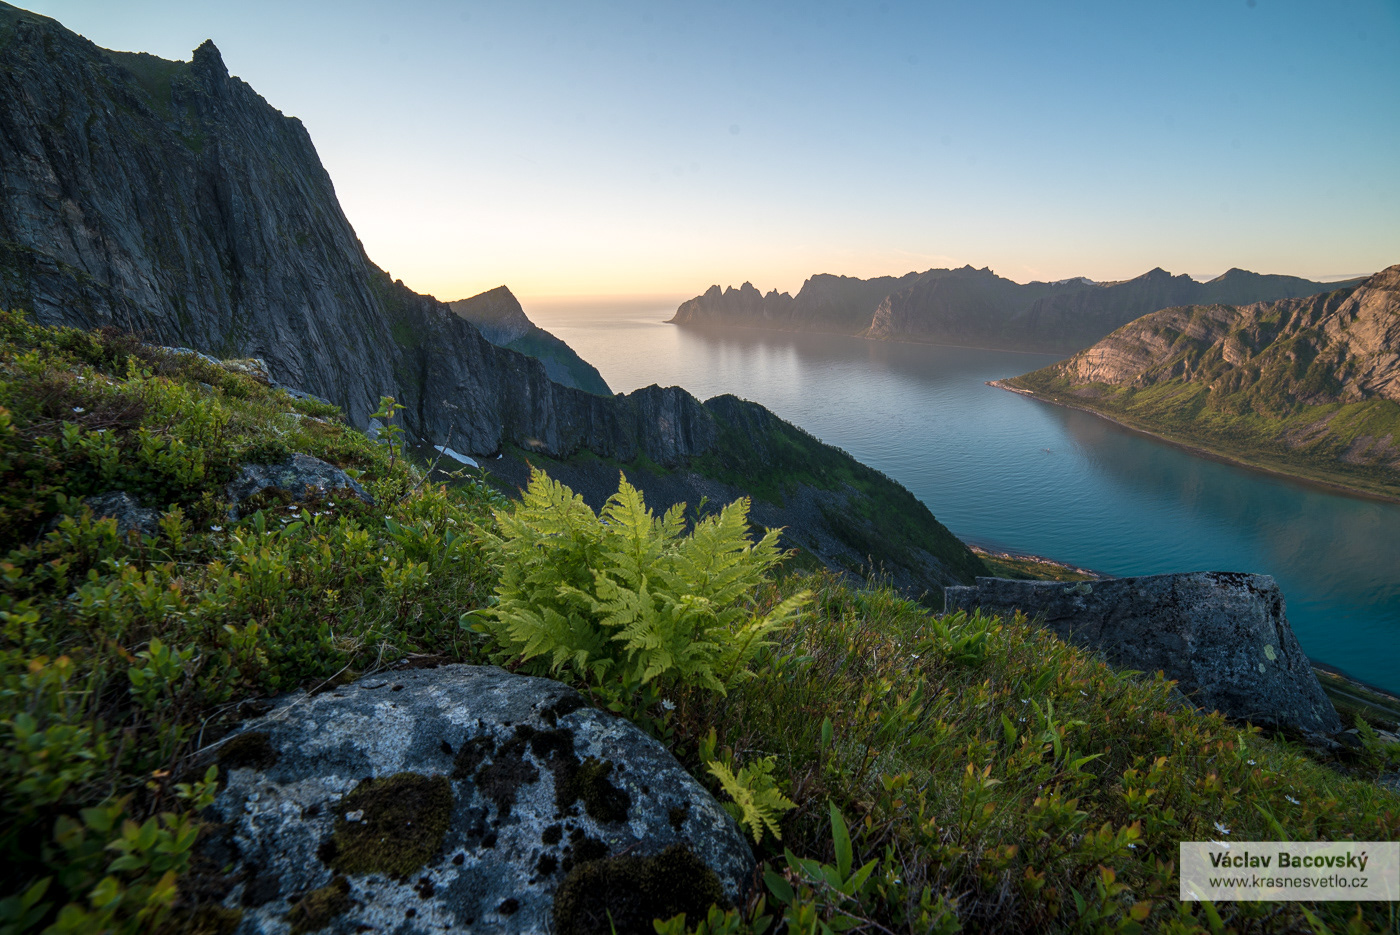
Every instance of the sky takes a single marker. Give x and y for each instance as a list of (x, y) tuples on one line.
[(657, 147)]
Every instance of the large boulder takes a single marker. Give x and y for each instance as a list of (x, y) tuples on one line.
[(1223, 636), (300, 475), (464, 798)]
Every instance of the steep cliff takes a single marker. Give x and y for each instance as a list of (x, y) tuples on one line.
[(970, 306), (170, 199), (1310, 386), (500, 319)]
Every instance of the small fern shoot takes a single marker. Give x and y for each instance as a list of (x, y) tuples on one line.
[(758, 803)]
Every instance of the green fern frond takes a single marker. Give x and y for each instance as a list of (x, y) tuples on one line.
[(757, 801)]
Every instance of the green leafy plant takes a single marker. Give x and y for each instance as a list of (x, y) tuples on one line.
[(391, 432), (627, 598), (755, 799)]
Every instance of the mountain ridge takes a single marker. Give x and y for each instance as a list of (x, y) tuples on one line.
[(969, 306), (179, 205), (1303, 386)]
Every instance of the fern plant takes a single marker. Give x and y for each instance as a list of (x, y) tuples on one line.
[(628, 599)]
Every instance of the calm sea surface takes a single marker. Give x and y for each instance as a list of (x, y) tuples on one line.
[(1018, 475)]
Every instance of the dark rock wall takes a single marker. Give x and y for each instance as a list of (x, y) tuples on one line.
[(1223, 636)]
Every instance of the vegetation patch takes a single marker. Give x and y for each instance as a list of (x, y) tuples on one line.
[(392, 825), (625, 894), (318, 908), (250, 749)]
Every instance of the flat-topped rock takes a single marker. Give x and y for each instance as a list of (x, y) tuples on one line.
[(464, 798), (1223, 636)]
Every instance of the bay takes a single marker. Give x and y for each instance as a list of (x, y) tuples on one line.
[(1014, 474)]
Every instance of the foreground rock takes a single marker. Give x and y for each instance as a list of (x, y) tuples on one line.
[(463, 798), (127, 511), (1223, 636), (298, 476)]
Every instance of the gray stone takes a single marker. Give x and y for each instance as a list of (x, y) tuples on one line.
[(1223, 636), (512, 750), (127, 511), (298, 475)]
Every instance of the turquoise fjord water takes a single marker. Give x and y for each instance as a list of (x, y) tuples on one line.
[(1011, 473)]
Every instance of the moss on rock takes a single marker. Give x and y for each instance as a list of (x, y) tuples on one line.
[(316, 909), (250, 749), (625, 894), (392, 825)]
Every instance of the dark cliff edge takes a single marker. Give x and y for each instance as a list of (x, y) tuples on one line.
[(169, 199), (1308, 387), (976, 307)]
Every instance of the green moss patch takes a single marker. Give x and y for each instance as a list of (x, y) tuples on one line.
[(316, 909), (625, 894), (399, 823), (602, 800), (251, 749)]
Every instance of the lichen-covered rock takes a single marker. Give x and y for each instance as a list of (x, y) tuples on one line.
[(1223, 636), (127, 511), (462, 798), (297, 476)]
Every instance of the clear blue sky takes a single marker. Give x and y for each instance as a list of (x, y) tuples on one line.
[(658, 147)]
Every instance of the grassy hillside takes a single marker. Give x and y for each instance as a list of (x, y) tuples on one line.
[(1301, 440), (997, 778)]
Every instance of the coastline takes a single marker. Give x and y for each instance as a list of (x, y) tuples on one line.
[(1203, 451), (856, 335)]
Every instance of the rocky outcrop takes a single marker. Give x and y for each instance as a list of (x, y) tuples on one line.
[(498, 316), (1224, 637), (970, 306), (299, 477), (496, 313), (127, 511), (462, 798)]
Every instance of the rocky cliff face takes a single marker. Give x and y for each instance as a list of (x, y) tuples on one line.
[(970, 306), (496, 313), (169, 199), (1315, 377)]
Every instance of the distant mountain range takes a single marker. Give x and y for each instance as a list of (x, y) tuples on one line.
[(500, 319), (1306, 386), (976, 307)]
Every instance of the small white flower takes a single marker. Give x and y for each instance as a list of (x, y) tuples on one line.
[(1251, 763), (384, 559), (913, 655), (668, 704), (1084, 693), (1025, 701), (1293, 800), (79, 409), (292, 508), (1221, 828), (1132, 847), (1222, 844), (216, 528)]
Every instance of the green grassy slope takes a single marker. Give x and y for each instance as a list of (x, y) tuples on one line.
[(1000, 780)]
